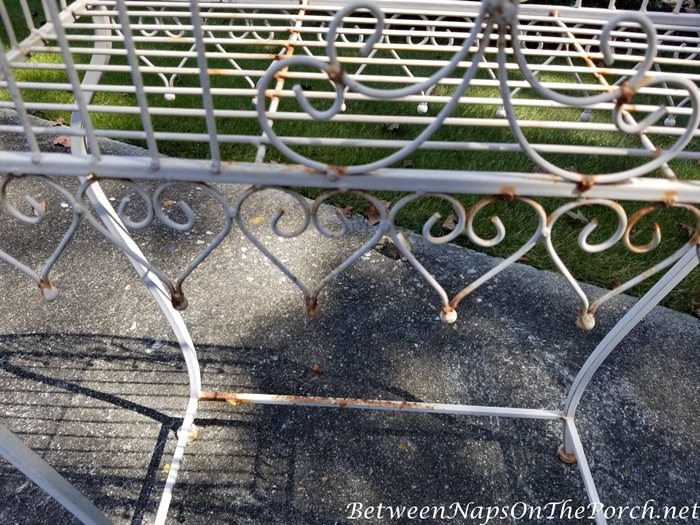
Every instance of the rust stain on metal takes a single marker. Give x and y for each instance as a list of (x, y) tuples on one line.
[(228, 397), (586, 183), (178, 299), (507, 193), (241, 398), (670, 197), (288, 51), (569, 459), (335, 72), (336, 170), (311, 306), (626, 94)]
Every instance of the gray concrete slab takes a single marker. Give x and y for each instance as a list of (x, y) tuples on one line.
[(96, 385)]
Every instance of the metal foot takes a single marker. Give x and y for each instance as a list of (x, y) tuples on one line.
[(569, 459)]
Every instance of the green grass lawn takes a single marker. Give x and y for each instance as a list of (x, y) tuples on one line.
[(606, 269)]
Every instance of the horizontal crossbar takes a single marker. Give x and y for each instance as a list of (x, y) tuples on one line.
[(237, 398)]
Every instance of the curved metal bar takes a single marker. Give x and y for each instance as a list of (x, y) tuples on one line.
[(515, 256), (42, 277), (585, 320), (340, 79), (312, 301), (689, 259), (238, 216), (622, 95), (447, 313)]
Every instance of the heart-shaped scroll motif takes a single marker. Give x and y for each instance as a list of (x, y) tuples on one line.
[(39, 214), (157, 207), (310, 215), (586, 316), (464, 223)]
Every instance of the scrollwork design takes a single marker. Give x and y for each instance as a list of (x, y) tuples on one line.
[(310, 214), (500, 14), (48, 291), (153, 209), (342, 82), (498, 238), (447, 313), (621, 95)]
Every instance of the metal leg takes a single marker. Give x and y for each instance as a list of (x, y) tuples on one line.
[(111, 220), (40, 472), (678, 271)]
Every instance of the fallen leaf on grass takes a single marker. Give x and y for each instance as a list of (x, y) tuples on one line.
[(62, 140)]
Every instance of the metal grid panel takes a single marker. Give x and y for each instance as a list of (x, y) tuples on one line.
[(165, 103)]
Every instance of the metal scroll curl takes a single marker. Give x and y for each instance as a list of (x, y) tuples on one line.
[(310, 215), (625, 225), (39, 214), (343, 82), (620, 96), (500, 16)]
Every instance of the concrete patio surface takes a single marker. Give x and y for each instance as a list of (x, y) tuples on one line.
[(95, 383)]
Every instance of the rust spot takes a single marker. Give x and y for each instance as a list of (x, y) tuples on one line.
[(626, 94), (336, 171), (335, 72), (311, 306), (569, 459), (240, 398), (506, 193), (178, 299), (288, 51), (586, 183)]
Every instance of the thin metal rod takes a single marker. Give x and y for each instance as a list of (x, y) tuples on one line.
[(205, 84), (585, 471), (78, 94), (138, 83), (379, 404), (19, 106)]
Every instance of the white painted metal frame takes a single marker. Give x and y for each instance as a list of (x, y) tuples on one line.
[(408, 63)]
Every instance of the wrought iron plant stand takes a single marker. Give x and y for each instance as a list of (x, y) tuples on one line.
[(347, 64)]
